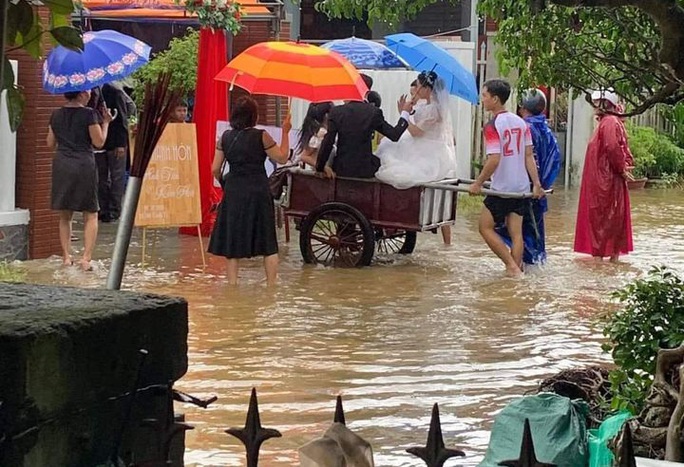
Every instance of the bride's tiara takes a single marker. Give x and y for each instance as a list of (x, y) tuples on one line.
[(427, 78)]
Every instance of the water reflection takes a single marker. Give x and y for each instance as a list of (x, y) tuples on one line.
[(441, 325)]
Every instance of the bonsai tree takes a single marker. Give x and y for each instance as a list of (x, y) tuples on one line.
[(179, 61)]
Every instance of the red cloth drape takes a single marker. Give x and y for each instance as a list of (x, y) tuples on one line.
[(211, 104), (604, 223)]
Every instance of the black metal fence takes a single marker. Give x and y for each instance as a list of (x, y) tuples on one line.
[(253, 434)]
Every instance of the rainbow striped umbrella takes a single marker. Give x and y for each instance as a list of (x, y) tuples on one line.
[(292, 69)]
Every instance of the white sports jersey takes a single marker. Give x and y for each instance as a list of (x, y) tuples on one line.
[(508, 135)]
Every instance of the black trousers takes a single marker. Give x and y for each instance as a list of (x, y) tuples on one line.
[(111, 172)]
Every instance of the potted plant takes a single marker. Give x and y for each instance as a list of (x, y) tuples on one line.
[(641, 142)]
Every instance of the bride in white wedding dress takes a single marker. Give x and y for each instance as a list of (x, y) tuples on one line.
[(425, 152)]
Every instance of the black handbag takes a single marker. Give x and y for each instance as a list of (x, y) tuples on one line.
[(225, 158), (277, 181)]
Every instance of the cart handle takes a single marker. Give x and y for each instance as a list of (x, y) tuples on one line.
[(487, 184), (455, 187)]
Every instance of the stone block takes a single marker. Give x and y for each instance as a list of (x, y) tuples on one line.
[(13, 242), (67, 355)]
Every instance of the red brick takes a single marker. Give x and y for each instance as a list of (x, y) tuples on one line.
[(34, 161)]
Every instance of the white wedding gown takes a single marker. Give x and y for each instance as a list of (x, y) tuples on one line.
[(411, 161)]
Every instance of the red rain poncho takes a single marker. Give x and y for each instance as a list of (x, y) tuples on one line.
[(604, 224)]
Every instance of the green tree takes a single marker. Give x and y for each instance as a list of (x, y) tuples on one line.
[(179, 60), (22, 28), (635, 46)]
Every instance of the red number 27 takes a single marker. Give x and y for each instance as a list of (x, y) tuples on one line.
[(508, 137)]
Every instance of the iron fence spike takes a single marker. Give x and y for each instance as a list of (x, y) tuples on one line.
[(626, 457), (527, 458), (253, 434), (339, 412), (434, 454)]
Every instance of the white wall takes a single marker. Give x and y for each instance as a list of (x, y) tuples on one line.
[(8, 154), (391, 84), (583, 124)]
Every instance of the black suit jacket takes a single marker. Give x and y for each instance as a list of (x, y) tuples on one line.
[(116, 98), (353, 124)]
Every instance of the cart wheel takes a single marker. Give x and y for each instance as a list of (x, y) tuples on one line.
[(393, 242), (336, 234)]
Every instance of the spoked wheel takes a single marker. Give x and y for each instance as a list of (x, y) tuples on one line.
[(336, 234), (392, 242)]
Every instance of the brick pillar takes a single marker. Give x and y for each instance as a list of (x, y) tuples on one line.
[(34, 159)]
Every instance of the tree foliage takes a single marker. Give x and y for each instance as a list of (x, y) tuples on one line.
[(179, 60), (25, 30), (634, 46), (384, 11), (621, 44)]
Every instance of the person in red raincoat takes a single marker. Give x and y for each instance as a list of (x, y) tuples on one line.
[(604, 224)]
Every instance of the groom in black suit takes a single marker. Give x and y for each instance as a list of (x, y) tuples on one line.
[(353, 124)]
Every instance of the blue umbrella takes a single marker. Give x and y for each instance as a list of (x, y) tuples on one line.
[(366, 54), (422, 54), (107, 56)]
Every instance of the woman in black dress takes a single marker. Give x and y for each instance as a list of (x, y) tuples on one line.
[(74, 131), (245, 225)]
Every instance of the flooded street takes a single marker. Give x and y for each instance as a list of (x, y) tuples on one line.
[(441, 325)]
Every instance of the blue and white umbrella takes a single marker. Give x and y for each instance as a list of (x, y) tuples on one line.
[(365, 54), (107, 56)]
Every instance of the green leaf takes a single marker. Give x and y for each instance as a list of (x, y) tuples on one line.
[(22, 14), (8, 78), (68, 37), (60, 7), (15, 107), (31, 42), (58, 20), (12, 24)]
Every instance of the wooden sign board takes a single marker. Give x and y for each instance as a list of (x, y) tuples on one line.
[(170, 194)]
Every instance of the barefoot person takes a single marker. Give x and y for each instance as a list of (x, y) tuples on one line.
[(547, 155), (425, 153), (604, 224), (510, 164), (245, 226), (74, 131)]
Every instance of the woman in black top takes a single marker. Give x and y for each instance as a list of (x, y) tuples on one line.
[(245, 225), (74, 130)]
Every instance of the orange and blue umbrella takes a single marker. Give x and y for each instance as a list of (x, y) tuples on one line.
[(107, 56), (291, 69), (423, 54)]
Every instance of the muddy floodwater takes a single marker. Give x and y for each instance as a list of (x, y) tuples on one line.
[(441, 325)]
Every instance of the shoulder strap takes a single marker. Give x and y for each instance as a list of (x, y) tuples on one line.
[(227, 150)]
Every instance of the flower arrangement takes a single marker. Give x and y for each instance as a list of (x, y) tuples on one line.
[(215, 14)]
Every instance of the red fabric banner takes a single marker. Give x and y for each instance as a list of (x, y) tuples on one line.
[(211, 104)]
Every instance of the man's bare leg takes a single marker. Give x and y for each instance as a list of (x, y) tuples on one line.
[(495, 243), (514, 226), (446, 234)]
